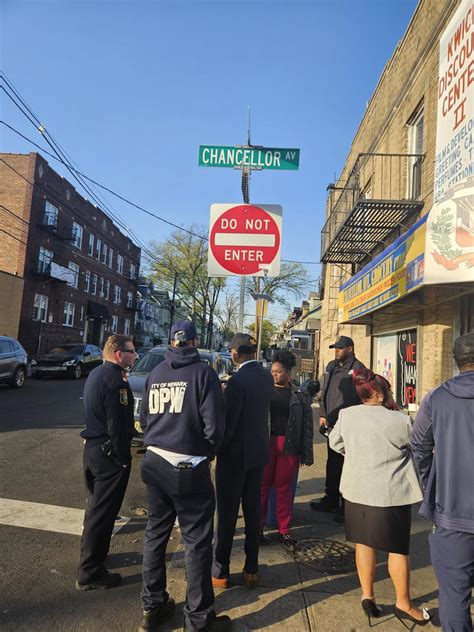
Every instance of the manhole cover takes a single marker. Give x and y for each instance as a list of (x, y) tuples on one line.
[(139, 511), (325, 556)]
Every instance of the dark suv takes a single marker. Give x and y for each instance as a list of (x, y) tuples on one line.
[(13, 362)]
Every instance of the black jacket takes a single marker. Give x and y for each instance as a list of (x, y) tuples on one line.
[(338, 390), (108, 406), (299, 432), (182, 406), (247, 431)]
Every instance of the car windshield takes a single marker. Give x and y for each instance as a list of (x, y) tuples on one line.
[(72, 349), (148, 362)]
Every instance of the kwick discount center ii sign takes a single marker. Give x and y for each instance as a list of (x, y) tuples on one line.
[(250, 157)]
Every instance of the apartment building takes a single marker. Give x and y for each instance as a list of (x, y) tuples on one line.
[(80, 271), (398, 242)]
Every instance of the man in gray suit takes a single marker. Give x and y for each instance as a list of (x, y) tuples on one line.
[(241, 459)]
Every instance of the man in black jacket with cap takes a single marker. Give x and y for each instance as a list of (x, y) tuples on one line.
[(108, 405), (241, 459), (338, 393), (183, 422)]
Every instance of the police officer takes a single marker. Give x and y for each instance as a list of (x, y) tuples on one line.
[(338, 393), (183, 421), (108, 403)]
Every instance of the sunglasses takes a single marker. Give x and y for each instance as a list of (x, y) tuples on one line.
[(127, 350)]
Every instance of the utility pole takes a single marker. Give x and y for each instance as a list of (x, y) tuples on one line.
[(245, 186), (172, 304)]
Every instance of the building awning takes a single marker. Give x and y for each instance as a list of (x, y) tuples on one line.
[(437, 250), (96, 310)]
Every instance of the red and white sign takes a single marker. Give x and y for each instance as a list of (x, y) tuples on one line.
[(244, 239)]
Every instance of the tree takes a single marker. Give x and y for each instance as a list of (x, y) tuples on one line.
[(183, 257), (293, 282), (227, 312), (268, 329)]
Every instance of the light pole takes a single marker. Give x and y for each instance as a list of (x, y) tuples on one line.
[(261, 296)]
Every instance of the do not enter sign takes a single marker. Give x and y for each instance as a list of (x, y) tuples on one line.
[(244, 239)]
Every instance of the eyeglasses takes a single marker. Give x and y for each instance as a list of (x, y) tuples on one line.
[(127, 350)]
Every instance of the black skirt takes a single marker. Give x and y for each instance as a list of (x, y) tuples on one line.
[(382, 528)]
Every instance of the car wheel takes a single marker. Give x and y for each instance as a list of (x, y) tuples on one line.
[(18, 378), (76, 371)]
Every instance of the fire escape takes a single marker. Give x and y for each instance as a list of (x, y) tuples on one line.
[(378, 202)]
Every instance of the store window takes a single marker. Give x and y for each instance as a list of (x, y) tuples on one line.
[(395, 359)]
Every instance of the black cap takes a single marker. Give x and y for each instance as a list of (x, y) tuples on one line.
[(464, 347), (243, 343), (341, 342), (183, 330)]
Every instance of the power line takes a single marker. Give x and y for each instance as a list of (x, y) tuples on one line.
[(126, 200), (13, 236)]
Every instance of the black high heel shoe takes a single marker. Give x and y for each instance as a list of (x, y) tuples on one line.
[(371, 609), (402, 616)]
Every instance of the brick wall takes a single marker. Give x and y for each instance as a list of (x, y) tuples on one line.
[(11, 291)]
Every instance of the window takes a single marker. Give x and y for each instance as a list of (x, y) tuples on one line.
[(98, 248), (68, 319), (40, 307), (114, 324), (94, 284), (44, 260), (111, 257), (415, 146), (120, 264), (74, 268), (87, 282), (132, 271), (126, 327), (129, 299), (82, 312), (107, 290), (104, 253), (117, 294), (101, 287), (50, 217), (77, 232), (90, 250)]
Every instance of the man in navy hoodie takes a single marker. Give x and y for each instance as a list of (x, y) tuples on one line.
[(443, 449), (183, 422)]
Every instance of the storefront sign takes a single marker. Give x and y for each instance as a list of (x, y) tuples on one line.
[(394, 273), (450, 227)]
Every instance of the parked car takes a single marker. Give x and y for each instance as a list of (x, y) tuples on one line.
[(13, 362), (142, 350), (143, 367), (73, 360)]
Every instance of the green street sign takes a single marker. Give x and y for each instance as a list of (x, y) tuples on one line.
[(250, 157)]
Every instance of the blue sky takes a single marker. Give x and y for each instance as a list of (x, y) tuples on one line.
[(131, 89)]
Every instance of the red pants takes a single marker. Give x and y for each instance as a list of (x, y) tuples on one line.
[(280, 472)]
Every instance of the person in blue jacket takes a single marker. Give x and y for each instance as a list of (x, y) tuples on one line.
[(443, 448), (183, 422)]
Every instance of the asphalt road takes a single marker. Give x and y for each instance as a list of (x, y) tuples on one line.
[(41, 462)]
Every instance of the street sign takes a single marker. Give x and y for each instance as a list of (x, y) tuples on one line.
[(244, 239), (250, 157)]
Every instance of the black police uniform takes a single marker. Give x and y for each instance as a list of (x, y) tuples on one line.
[(108, 403)]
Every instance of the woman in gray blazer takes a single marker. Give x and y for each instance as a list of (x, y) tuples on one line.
[(379, 485)]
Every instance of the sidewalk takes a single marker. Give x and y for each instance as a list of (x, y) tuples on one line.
[(294, 596)]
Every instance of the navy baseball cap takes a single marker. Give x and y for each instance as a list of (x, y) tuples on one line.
[(243, 343), (341, 342), (183, 330)]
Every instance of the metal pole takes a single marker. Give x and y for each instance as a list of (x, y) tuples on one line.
[(175, 284), (246, 197), (259, 343)]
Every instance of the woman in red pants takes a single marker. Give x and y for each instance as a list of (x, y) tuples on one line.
[(291, 444)]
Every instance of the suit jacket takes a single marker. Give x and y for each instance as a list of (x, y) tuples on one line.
[(247, 432)]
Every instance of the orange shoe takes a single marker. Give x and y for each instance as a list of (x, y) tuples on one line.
[(250, 579), (220, 582)]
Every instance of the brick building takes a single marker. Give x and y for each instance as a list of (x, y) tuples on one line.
[(80, 272), (398, 242)]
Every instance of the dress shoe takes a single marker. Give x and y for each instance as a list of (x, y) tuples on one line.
[(288, 542), (250, 579), (107, 580), (152, 617), (324, 504)]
